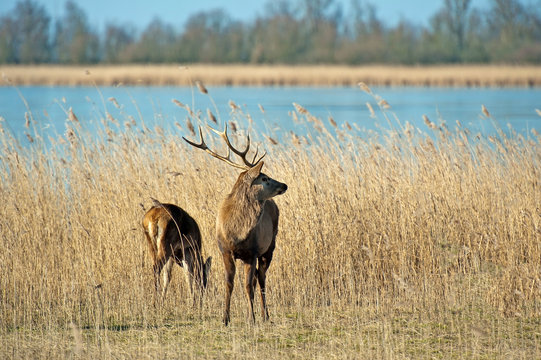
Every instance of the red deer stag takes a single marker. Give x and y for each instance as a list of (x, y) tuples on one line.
[(246, 224), (173, 236)]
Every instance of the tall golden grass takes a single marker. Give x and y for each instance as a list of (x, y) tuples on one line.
[(242, 74), (400, 244)]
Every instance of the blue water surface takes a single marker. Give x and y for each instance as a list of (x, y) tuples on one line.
[(49, 106)]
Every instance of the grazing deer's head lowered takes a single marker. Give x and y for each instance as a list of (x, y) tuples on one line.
[(246, 223), (173, 236)]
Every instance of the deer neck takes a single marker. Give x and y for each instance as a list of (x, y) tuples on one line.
[(245, 211)]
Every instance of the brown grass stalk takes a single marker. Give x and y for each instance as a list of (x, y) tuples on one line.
[(278, 75), (389, 247)]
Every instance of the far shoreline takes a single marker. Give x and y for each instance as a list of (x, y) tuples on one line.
[(272, 75)]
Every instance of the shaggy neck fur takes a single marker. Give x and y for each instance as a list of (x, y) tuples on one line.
[(241, 211)]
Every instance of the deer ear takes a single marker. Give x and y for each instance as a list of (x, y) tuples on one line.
[(254, 172)]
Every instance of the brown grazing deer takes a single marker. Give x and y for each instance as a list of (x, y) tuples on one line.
[(173, 236), (246, 224)]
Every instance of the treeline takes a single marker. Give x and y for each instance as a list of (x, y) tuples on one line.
[(289, 32)]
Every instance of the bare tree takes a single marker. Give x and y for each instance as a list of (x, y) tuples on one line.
[(28, 33), (116, 42), (7, 39), (75, 41), (455, 15), (212, 36), (277, 36), (155, 43)]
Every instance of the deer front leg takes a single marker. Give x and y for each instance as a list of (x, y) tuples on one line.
[(229, 264), (261, 277), (249, 272), (189, 265)]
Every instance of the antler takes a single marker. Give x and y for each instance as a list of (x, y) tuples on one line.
[(242, 154)]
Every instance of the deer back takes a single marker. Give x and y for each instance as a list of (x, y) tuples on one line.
[(171, 229)]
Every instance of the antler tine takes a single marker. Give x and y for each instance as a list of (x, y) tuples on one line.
[(255, 155), (241, 154), (204, 146)]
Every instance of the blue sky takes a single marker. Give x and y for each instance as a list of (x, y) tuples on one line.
[(176, 12)]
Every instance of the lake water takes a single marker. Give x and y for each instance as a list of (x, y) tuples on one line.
[(49, 106)]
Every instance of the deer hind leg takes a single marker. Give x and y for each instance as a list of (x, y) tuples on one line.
[(167, 275), (229, 263), (160, 254), (150, 235), (264, 263), (249, 272), (157, 269)]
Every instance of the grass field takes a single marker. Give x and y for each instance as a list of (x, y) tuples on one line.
[(410, 243), (276, 75)]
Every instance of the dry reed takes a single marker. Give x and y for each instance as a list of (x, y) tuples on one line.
[(276, 75), (391, 245)]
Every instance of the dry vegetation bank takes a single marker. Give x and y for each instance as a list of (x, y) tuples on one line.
[(259, 75), (398, 245)]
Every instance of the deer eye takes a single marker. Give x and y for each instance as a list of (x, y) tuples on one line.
[(265, 179)]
